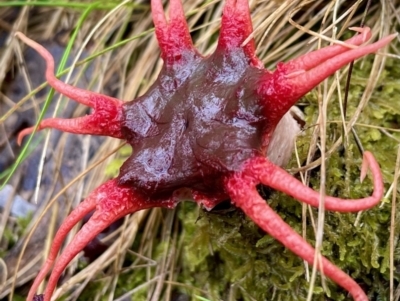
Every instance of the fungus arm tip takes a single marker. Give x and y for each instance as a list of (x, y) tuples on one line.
[(292, 80), (277, 178), (106, 118), (111, 202), (245, 196)]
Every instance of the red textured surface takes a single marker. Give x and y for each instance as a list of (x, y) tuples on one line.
[(201, 131)]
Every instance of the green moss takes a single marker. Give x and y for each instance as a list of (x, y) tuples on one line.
[(112, 169), (11, 235)]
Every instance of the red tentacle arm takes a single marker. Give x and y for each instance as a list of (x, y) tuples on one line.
[(241, 188), (173, 36), (236, 26), (277, 178), (111, 202), (292, 80), (74, 218), (317, 57), (107, 115)]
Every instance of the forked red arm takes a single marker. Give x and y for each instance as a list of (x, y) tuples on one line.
[(292, 80), (279, 179), (245, 196), (173, 36), (236, 26), (242, 189), (111, 202), (106, 118)]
